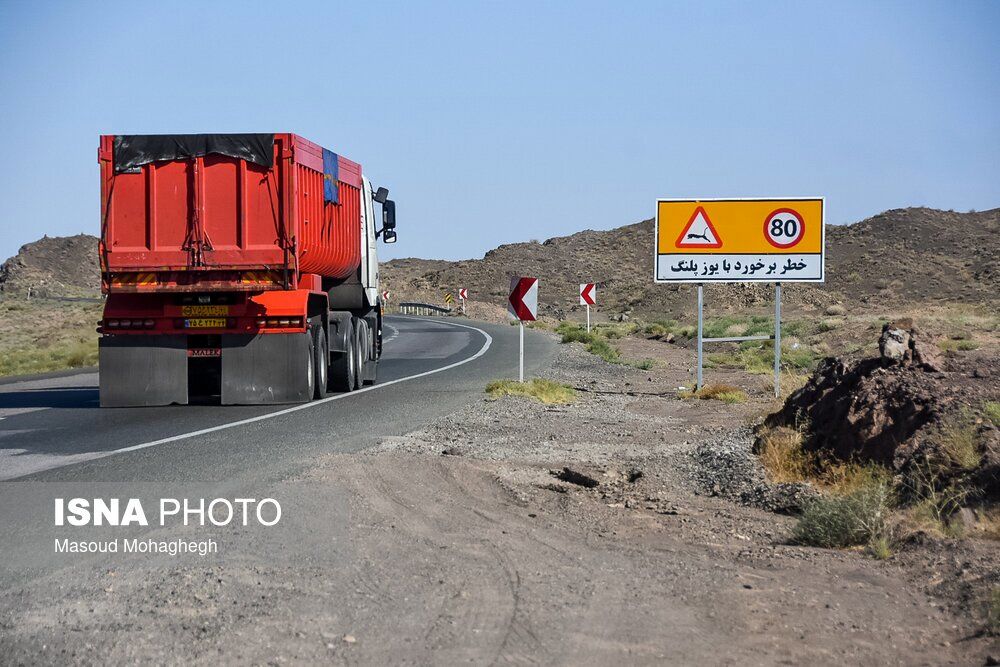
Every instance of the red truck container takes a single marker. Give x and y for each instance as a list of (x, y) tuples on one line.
[(237, 265)]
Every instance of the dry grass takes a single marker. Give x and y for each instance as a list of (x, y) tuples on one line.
[(39, 335), (858, 518), (780, 451), (991, 411), (989, 523), (958, 443), (785, 460), (962, 345), (726, 393), (932, 502), (546, 391)]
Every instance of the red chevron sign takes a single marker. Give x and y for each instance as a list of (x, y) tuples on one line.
[(523, 299), (463, 293), (588, 294)]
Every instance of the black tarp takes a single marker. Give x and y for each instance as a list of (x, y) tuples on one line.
[(134, 150)]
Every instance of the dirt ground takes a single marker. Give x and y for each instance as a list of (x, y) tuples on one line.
[(470, 542)]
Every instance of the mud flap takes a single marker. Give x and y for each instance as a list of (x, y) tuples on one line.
[(369, 371), (262, 369), (140, 371)]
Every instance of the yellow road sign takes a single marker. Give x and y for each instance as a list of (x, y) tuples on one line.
[(448, 298), (739, 240)]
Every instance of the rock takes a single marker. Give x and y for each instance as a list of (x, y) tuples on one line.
[(349, 639), (863, 410), (966, 518), (567, 474), (894, 343), (925, 351)]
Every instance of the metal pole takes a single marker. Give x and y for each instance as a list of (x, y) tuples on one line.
[(588, 318), (777, 340), (701, 313), (520, 365)]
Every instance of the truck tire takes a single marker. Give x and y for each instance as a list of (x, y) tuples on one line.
[(342, 375), (310, 371), (321, 359), (370, 359), (359, 353)]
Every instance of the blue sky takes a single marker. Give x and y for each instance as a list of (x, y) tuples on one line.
[(505, 121)]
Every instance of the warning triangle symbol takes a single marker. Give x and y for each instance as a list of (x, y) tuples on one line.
[(699, 232)]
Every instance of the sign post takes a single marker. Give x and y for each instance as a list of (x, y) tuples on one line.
[(522, 304), (777, 340), (588, 298), (463, 294), (740, 240)]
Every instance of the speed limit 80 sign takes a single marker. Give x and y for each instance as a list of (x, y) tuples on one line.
[(784, 228), (740, 240)]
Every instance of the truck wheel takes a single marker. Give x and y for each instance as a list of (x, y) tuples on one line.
[(370, 360), (359, 353), (310, 371), (321, 359), (342, 376)]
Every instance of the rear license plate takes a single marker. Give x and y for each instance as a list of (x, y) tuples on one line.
[(204, 311), (205, 352), (205, 323)]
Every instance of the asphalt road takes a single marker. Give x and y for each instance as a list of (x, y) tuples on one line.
[(53, 430)]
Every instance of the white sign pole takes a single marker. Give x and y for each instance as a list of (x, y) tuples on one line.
[(701, 311), (777, 340), (588, 318), (520, 365)]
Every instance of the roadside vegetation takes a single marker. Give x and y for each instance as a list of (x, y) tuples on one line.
[(991, 411), (39, 335), (546, 391), (598, 341), (854, 501), (726, 393), (867, 505)]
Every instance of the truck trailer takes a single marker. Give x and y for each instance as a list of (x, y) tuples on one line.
[(237, 266)]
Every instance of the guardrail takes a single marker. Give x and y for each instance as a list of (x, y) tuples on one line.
[(416, 308)]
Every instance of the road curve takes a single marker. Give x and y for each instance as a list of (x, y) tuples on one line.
[(53, 430)]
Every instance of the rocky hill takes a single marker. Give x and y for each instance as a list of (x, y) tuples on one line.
[(53, 266), (902, 256)]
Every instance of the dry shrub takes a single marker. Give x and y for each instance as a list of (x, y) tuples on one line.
[(546, 391), (991, 410), (780, 451), (958, 442), (838, 521), (726, 393)]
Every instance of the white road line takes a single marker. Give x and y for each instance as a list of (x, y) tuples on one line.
[(395, 332), (304, 406)]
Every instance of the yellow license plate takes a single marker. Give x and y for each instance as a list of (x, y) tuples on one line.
[(204, 311), (206, 323)]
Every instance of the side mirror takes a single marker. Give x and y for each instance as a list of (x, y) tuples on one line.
[(389, 237), (389, 214), (381, 195)]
